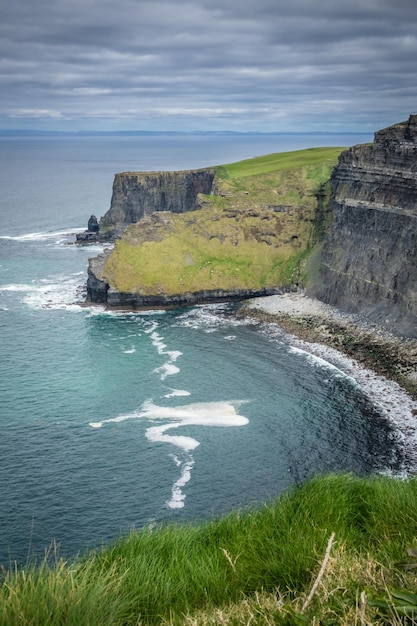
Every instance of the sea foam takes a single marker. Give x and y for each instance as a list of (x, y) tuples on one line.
[(62, 235), (215, 414), (53, 292)]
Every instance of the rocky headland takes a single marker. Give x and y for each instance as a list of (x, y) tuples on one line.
[(339, 223), (224, 233)]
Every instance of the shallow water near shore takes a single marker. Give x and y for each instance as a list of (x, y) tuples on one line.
[(113, 420)]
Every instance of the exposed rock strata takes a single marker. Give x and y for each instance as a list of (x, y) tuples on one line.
[(368, 263), (137, 301), (137, 194)]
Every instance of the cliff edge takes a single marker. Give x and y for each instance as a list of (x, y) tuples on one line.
[(368, 264), (138, 194)]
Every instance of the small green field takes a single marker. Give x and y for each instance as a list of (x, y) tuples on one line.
[(328, 553), (281, 161)]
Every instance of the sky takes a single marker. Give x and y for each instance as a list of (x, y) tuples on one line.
[(212, 65)]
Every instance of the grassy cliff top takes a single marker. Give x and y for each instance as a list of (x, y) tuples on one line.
[(281, 161), (253, 232), (274, 564)]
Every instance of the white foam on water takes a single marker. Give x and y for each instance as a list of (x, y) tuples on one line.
[(318, 361), (41, 236), (217, 414), (101, 310), (177, 500), (209, 318), (157, 433), (130, 351), (152, 327), (57, 292), (220, 414), (174, 393), (19, 287), (158, 342), (53, 292), (167, 369), (197, 413)]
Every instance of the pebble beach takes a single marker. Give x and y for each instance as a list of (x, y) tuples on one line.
[(309, 325)]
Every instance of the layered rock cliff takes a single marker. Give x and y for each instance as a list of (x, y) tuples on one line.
[(368, 264), (136, 194)]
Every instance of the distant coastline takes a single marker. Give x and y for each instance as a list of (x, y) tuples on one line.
[(21, 132)]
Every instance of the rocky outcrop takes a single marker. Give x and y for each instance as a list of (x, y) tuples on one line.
[(137, 194), (130, 301), (97, 285), (92, 232), (368, 264)]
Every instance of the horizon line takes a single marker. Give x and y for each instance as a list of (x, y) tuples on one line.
[(20, 132)]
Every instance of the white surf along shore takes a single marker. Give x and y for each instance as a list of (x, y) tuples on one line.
[(390, 399)]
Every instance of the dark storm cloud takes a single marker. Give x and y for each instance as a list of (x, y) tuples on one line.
[(209, 64)]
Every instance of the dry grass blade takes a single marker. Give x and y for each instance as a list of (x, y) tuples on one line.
[(320, 574)]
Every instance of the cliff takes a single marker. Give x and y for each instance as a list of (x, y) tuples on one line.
[(137, 194), (368, 264), (231, 232), (258, 228)]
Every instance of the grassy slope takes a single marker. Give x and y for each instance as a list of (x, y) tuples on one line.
[(255, 567), (253, 234)]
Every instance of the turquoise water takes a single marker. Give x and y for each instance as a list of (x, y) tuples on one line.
[(110, 421)]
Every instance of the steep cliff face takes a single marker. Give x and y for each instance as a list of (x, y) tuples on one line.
[(136, 194), (368, 263)]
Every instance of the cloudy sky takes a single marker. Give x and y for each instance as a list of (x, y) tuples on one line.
[(245, 65)]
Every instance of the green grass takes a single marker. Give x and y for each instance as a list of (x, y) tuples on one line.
[(224, 254), (280, 161), (261, 562)]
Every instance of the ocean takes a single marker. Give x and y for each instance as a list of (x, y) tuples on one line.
[(110, 421)]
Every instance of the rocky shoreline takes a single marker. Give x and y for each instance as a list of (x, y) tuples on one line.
[(383, 365)]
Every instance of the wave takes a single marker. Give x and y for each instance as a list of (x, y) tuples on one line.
[(45, 235), (101, 310), (318, 361), (215, 414), (210, 318), (53, 292), (175, 393)]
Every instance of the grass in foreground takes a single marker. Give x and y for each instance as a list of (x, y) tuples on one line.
[(256, 567)]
